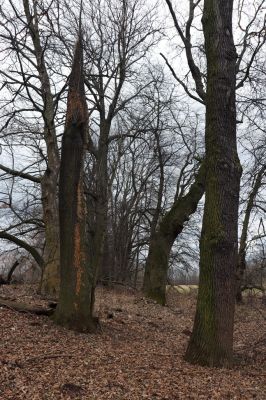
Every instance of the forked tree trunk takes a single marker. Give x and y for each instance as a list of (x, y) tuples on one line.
[(170, 227), (211, 342), (74, 308)]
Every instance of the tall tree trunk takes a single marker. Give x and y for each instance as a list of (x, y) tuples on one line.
[(211, 342), (50, 281), (170, 227), (74, 308), (101, 205), (241, 266), (51, 275)]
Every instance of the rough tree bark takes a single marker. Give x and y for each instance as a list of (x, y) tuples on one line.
[(50, 281), (162, 240), (74, 309), (211, 342)]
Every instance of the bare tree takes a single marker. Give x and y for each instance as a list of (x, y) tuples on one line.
[(33, 91), (118, 37), (211, 342), (170, 226), (74, 309)]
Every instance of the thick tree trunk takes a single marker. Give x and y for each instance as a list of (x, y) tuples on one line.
[(163, 239), (156, 269), (211, 342), (74, 309)]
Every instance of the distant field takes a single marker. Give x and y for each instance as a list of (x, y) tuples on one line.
[(256, 292), (187, 289)]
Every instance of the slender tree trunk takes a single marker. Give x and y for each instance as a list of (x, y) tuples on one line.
[(7, 281), (11, 271), (74, 309), (49, 185), (51, 276), (50, 281), (170, 227), (101, 205), (211, 342), (241, 266)]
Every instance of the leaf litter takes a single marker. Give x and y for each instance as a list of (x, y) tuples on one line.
[(137, 353)]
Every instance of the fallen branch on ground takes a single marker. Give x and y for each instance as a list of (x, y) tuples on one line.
[(26, 308)]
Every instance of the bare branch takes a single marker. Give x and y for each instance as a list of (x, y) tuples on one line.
[(20, 174)]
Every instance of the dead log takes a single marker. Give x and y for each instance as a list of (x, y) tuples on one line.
[(26, 308)]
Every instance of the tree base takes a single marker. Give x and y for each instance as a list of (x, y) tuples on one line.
[(198, 355), (50, 287), (157, 295), (77, 323)]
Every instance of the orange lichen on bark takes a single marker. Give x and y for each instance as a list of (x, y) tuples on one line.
[(78, 251)]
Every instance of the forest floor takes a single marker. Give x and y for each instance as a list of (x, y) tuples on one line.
[(138, 353)]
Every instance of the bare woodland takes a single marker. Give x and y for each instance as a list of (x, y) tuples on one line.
[(132, 199)]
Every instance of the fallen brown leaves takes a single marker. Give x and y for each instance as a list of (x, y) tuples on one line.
[(137, 354)]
